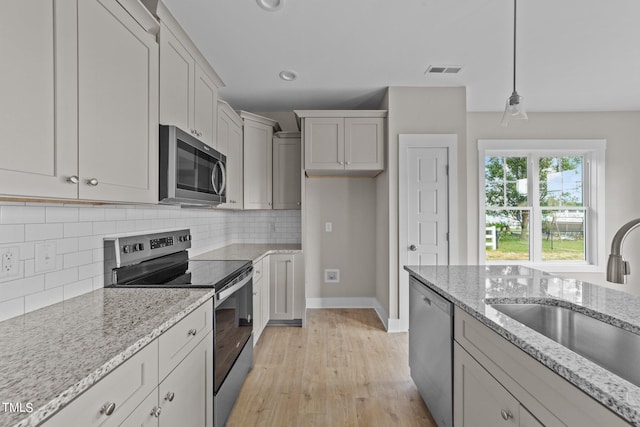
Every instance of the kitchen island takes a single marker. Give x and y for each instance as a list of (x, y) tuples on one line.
[(474, 289)]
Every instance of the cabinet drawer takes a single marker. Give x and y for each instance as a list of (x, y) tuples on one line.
[(178, 341), (258, 270), (125, 388)]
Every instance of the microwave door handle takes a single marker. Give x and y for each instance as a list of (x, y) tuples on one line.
[(213, 177), (224, 178)]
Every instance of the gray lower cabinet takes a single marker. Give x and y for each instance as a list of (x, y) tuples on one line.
[(138, 393), (481, 401)]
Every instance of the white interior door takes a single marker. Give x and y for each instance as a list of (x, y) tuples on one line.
[(427, 206), (427, 210)]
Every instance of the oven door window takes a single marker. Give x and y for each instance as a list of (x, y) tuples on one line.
[(195, 169)]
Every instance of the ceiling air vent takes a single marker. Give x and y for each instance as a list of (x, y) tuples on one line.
[(443, 69)]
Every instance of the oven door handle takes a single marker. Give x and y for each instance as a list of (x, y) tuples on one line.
[(226, 292)]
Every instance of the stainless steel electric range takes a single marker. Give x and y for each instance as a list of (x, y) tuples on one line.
[(161, 260)]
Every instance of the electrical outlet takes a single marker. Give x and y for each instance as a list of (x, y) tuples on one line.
[(45, 256), (10, 261), (332, 275), (328, 227)]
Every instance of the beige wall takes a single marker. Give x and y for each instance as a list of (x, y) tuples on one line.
[(350, 204), (421, 110), (622, 193)]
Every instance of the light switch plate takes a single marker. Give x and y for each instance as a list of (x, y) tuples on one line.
[(45, 256), (328, 227)]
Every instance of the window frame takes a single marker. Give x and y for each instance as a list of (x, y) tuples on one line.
[(593, 153)]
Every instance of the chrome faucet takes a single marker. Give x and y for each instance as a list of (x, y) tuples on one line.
[(617, 268)]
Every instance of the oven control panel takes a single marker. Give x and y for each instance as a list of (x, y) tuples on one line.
[(135, 248), (161, 242)]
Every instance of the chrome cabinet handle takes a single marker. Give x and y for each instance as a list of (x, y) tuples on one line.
[(299, 203), (108, 408), (73, 179), (348, 163), (156, 411), (341, 163), (199, 133), (192, 332), (269, 203), (506, 414), (170, 395), (427, 300), (92, 182), (413, 248)]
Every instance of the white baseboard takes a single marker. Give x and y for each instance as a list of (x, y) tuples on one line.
[(391, 325)]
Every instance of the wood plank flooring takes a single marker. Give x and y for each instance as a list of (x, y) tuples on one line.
[(342, 369)]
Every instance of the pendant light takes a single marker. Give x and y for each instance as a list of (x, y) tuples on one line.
[(514, 109)]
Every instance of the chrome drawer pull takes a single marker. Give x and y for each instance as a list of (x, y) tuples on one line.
[(108, 408), (193, 332), (506, 414), (170, 396), (156, 411)]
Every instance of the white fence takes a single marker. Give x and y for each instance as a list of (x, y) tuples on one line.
[(491, 238)]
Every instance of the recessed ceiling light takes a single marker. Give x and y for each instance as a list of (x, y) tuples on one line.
[(288, 75), (270, 5)]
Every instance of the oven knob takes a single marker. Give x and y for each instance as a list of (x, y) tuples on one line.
[(127, 249), (138, 247)]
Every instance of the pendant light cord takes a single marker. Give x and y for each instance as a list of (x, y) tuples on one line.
[(515, 15)]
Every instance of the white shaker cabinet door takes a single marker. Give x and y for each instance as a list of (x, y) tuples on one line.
[(286, 173), (235, 168), (38, 76), (364, 143), (186, 395), (146, 414), (117, 105), (258, 154), (324, 143), (281, 282), (206, 106), (177, 71)]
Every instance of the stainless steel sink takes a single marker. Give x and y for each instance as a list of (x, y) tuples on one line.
[(611, 347)]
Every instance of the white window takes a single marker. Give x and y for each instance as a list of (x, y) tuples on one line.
[(542, 203)]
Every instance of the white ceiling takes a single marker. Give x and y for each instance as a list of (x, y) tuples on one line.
[(573, 55)]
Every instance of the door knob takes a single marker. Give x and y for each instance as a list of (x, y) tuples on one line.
[(413, 248)]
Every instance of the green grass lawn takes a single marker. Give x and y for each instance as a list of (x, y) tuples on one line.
[(512, 247)]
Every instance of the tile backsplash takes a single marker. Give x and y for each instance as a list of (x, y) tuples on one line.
[(75, 233)]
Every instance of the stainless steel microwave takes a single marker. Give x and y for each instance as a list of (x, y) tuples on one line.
[(191, 172)]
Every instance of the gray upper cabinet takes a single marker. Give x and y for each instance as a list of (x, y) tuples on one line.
[(188, 83), (343, 143), (287, 172), (230, 144), (258, 158), (78, 74)]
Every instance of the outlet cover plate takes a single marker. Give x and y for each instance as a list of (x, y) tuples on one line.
[(45, 256), (9, 261), (331, 275)]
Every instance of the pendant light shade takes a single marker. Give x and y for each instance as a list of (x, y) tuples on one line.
[(514, 108)]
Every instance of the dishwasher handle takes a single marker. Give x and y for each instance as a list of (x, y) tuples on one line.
[(431, 298)]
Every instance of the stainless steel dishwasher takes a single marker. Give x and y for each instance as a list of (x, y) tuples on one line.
[(431, 350)]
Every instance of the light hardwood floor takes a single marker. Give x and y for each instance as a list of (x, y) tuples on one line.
[(342, 369)]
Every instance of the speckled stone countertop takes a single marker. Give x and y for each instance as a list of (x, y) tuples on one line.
[(50, 356), (248, 251), (475, 288)]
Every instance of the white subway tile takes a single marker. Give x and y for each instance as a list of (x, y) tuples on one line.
[(98, 282), (98, 255), (66, 246), (60, 277), (62, 214), (76, 259), (115, 214), (78, 229), (43, 232), (29, 267), (21, 215), (92, 214), (125, 226), (42, 299), (78, 288), (11, 233), (11, 308), (21, 287), (27, 250), (90, 270), (89, 242), (104, 227)]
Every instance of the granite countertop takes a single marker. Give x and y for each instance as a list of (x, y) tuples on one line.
[(475, 288), (248, 251), (51, 355)]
